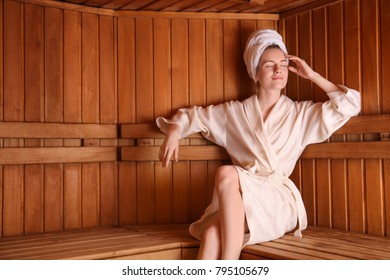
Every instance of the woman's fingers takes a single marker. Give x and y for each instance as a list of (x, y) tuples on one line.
[(166, 154)]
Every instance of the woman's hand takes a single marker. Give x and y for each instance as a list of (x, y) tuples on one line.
[(170, 147), (302, 68)]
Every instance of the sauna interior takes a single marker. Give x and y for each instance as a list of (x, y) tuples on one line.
[(82, 82)]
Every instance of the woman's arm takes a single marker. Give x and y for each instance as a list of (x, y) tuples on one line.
[(170, 146), (305, 71)]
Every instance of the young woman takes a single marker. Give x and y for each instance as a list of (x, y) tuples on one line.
[(254, 200)]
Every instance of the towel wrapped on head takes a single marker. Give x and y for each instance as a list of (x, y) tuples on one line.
[(257, 43)]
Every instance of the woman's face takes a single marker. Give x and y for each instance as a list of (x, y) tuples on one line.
[(272, 72)]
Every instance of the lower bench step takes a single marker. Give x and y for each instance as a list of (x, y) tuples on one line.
[(173, 242)]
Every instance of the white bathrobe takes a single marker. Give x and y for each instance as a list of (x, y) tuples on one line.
[(265, 152)]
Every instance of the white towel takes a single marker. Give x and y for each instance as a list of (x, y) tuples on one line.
[(257, 42)]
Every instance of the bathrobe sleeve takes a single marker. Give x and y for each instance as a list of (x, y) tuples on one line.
[(210, 121), (319, 120)]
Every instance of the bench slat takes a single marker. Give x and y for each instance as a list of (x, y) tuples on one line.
[(366, 124), (57, 130), (345, 150), (185, 153), (359, 124), (33, 155), (342, 249)]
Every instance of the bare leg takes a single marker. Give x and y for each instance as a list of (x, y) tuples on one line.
[(231, 213), (210, 245)]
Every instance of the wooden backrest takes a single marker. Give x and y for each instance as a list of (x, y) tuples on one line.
[(81, 150), (361, 125)]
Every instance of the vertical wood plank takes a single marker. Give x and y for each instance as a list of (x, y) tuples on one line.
[(144, 69), (385, 55), (13, 62), (72, 66), (335, 74), (181, 192), (197, 62), (90, 69), (90, 195), (319, 50), (53, 197), (335, 44), (214, 61), (53, 65), (34, 63), (108, 193), (13, 200), (197, 59), (180, 92), (198, 189), (180, 99), (1, 78), (72, 196), (1, 197), (247, 85), (355, 168), (145, 193), (127, 193), (34, 198), (162, 107), (126, 70), (163, 188), (72, 114), (386, 175), (356, 196), (375, 197), (305, 52), (309, 190), (162, 68), (232, 57), (34, 111), (13, 110), (291, 27), (323, 193), (339, 194), (370, 57), (107, 71)]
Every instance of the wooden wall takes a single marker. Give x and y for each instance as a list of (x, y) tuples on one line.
[(56, 66), (347, 42)]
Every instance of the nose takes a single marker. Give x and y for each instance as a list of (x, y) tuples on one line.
[(277, 69)]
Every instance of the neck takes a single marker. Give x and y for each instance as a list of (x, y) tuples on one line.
[(267, 99)]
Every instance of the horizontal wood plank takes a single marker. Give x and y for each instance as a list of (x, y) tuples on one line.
[(57, 155), (348, 150), (366, 124), (340, 150), (360, 124), (185, 153), (57, 130)]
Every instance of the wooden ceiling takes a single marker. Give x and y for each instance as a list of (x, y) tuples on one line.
[(216, 6)]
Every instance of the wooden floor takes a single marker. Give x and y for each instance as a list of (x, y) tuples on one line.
[(172, 242)]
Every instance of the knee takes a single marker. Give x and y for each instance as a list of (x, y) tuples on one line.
[(226, 176)]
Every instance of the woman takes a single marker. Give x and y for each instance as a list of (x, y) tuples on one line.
[(254, 200)]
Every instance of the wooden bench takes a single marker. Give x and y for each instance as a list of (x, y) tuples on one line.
[(172, 242)]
